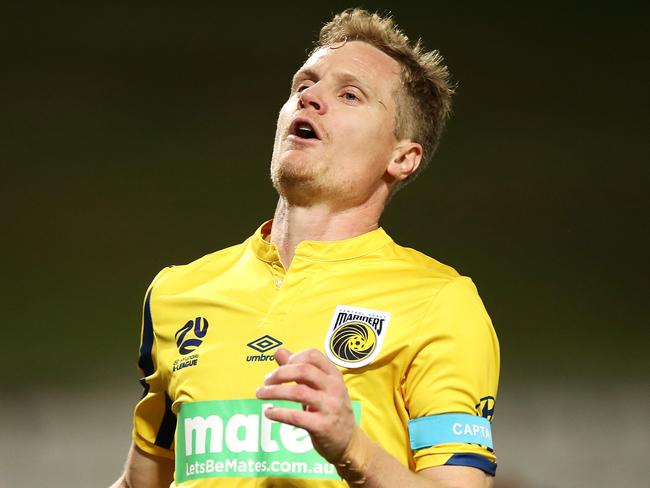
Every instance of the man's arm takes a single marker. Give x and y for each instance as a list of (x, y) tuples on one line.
[(143, 470), (327, 416), (370, 466)]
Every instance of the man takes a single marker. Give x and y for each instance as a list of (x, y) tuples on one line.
[(388, 366)]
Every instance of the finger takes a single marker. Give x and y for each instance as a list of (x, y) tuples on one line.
[(292, 392), (316, 358), (303, 373), (282, 356), (297, 418)]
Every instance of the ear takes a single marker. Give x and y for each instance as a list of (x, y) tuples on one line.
[(405, 160)]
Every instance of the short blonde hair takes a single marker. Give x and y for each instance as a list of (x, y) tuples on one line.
[(424, 97)]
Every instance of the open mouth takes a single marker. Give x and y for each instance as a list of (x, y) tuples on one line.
[(303, 129)]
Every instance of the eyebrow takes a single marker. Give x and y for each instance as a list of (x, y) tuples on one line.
[(341, 76), (302, 73)]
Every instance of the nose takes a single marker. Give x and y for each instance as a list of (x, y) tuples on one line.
[(310, 97)]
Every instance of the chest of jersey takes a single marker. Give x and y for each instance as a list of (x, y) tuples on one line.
[(216, 341)]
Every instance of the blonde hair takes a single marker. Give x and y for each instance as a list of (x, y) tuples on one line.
[(424, 97)]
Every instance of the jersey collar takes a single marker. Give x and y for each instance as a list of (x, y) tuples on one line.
[(319, 250)]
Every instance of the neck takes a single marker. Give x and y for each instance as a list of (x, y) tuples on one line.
[(293, 224)]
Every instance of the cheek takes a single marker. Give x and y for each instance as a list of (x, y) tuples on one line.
[(284, 116), (386, 130), (384, 138), (286, 110), (374, 128), (375, 141), (375, 150)]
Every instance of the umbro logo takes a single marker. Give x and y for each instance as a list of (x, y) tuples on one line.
[(262, 344)]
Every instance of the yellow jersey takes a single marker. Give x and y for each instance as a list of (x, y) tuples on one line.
[(413, 341)]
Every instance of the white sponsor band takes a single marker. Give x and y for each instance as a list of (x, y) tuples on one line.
[(242, 433)]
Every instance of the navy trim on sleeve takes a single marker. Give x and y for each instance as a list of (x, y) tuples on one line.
[(165, 435), (474, 461), (145, 387), (145, 362)]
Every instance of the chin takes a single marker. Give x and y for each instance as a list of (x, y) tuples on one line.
[(297, 188), (292, 171)]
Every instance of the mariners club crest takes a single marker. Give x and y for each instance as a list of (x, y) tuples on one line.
[(355, 336)]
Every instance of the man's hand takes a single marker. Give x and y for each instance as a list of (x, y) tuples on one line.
[(327, 411), (309, 378)]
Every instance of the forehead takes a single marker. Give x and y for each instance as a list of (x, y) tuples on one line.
[(372, 66)]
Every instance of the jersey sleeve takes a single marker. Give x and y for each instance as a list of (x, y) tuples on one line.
[(451, 385), (154, 423)]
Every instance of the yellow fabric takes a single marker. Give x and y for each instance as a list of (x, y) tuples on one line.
[(440, 353)]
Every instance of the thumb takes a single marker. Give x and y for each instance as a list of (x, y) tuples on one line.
[(282, 356)]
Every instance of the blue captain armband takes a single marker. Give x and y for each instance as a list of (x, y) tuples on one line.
[(448, 428)]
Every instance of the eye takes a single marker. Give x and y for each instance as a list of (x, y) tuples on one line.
[(350, 96), (302, 85)]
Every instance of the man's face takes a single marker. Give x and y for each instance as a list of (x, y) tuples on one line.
[(335, 134)]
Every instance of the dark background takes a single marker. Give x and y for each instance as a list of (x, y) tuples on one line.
[(139, 135)]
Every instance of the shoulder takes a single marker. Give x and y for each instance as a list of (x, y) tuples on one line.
[(443, 284), (412, 262), (177, 278)]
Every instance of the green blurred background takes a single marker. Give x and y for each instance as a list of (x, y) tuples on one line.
[(139, 135)]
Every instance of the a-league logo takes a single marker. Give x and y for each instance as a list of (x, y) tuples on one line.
[(199, 327)]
